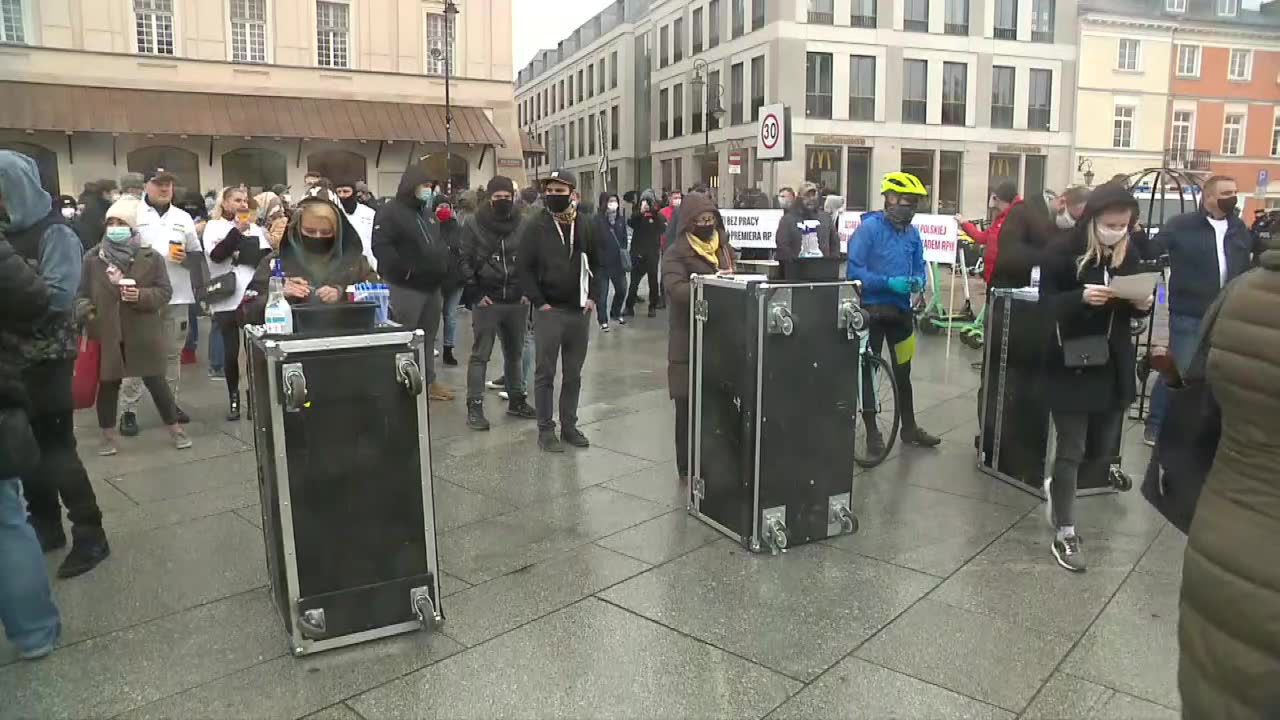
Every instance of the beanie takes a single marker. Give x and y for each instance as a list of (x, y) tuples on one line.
[(126, 209), (501, 183)]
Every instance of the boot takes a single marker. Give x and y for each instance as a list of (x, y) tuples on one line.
[(574, 437), (436, 391), (448, 357), (233, 409), (519, 407), (475, 415), (875, 441), (128, 424), (88, 548), (549, 441), (51, 537)]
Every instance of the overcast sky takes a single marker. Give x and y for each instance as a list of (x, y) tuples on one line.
[(540, 24)]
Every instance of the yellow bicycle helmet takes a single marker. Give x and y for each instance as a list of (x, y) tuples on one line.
[(902, 183)]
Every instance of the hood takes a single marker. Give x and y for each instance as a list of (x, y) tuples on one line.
[(693, 205), (651, 196), (494, 224), (24, 200), (348, 239), (414, 176), (1105, 197)]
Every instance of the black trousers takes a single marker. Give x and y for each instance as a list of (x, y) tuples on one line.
[(227, 325), (894, 326), (617, 279), (682, 436), (559, 333), (642, 266), (60, 474)]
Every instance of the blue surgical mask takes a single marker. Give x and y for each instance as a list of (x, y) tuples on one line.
[(426, 195), (117, 234)]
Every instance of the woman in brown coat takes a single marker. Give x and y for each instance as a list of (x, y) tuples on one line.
[(700, 247), (127, 287), (1229, 626)]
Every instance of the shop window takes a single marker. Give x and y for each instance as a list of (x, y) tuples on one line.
[(435, 164), (950, 166), (920, 164), (858, 194), (255, 168)]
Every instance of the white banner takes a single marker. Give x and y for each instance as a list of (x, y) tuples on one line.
[(751, 228), (940, 234)]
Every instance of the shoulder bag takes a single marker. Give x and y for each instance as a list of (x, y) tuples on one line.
[(1089, 351)]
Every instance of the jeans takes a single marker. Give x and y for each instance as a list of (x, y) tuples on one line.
[(176, 328), (527, 358), (559, 333), (419, 310), (109, 394), (1083, 439), (449, 314), (27, 612), (1184, 332), (618, 280), (193, 328), (505, 323)]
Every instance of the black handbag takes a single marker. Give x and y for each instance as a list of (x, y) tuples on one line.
[(219, 288), (1089, 351), (19, 452)]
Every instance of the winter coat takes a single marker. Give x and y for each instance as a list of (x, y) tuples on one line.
[(648, 227), (1192, 245), (1015, 243), (679, 264), (613, 241), (790, 236), (1229, 624), (879, 251), (26, 300), (488, 261), (451, 234), (406, 238), (132, 335), (549, 271)]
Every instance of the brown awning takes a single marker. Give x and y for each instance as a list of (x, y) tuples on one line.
[(531, 146), (78, 108)]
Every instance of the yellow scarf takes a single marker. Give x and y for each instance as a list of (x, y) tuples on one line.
[(708, 249)]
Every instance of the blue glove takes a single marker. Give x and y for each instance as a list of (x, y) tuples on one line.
[(900, 285), (917, 285)]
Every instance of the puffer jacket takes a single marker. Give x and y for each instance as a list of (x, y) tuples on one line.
[(1229, 624), (879, 251)]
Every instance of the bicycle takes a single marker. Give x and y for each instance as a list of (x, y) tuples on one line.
[(875, 374)]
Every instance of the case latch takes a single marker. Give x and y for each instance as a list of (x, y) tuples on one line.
[(779, 313), (700, 310), (849, 317), (698, 487), (424, 608)]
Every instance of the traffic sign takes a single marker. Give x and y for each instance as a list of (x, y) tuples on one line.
[(771, 135), (1264, 179), (735, 162)]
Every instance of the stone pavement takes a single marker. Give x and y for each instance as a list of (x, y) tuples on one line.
[(578, 587)]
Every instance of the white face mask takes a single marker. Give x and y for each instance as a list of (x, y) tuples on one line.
[(613, 207), (1108, 237), (1065, 221), (68, 213)]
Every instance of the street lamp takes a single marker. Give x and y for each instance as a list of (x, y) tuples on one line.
[(1085, 167), (450, 9), (711, 109)]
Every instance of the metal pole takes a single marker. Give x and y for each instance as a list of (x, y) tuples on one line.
[(448, 106)]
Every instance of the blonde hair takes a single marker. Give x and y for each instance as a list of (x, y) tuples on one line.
[(323, 210), (1094, 249)]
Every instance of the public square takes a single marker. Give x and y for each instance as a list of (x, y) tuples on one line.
[(577, 586)]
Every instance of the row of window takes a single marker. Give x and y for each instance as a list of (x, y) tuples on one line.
[(705, 98), (1182, 131), (1239, 62), (671, 37), (580, 138), (956, 17), (1224, 8), (557, 96)]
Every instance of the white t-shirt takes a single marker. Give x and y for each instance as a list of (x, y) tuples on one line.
[(156, 231), (215, 231), (362, 220), (1220, 234)]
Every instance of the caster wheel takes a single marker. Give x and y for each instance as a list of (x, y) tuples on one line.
[(1120, 480), (971, 340)]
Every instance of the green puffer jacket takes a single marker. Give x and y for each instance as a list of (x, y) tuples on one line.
[(1229, 626)]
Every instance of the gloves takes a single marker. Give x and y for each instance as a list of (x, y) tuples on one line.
[(900, 285)]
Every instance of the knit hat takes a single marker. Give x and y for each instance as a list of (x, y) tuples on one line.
[(131, 181), (126, 209), (501, 183)]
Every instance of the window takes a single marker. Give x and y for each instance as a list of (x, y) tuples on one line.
[(735, 94), (862, 87), (1233, 134), (614, 122), (678, 164), (1241, 65), (1040, 104), (1042, 20), (13, 28), (713, 24), (1122, 127), (1228, 7), (858, 195), (949, 170), (822, 167), (663, 131), (955, 77), (817, 85), (863, 15), (666, 175), (591, 80), (757, 14), (677, 110), (822, 12), (957, 17), (697, 32), (915, 15), (154, 19), (582, 134), (1175, 5), (1180, 134), (248, 31), (1033, 185), (915, 91), (677, 39), (256, 168), (332, 35), (920, 164), (442, 48), (560, 101), (600, 76), (663, 51), (757, 86), (696, 104), (591, 134), (1188, 61), (537, 107), (613, 69), (1127, 55), (570, 89), (739, 19), (1006, 24), (1275, 136), (580, 86), (713, 81), (1001, 97), (1001, 169), (572, 131)]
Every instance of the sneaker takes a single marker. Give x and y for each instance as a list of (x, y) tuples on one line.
[(504, 394), (216, 374), (475, 415), (1068, 553), (604, 327), (189, 356), (549, 442), (183, 417), (497, 384), (107, 447), (85, 555), (36, 653), (919, 438), (180, 439), (622, 320), (1149, 434), (128, 425), (520, 408), (574, 437), (439, 392), (653, 312), (875, 443)]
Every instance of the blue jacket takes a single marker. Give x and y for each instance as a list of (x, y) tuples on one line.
[(878, 251), (58, 258)]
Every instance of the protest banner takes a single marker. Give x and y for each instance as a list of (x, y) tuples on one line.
[(940, 234), (751, 228)]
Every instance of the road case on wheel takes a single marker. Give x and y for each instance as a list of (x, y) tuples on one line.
[(344, 475), (772, 405)]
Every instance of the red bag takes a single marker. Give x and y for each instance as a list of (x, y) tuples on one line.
[(84, 382)]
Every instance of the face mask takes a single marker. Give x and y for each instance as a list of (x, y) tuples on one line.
[(703, 232), (1108, 237), (1065, 221), (68, 213), (900, 215), (556, 203), (426, 195), (317, 246), (119, 234), (783, 202), (613, 207), (502, 208), (349, 204), (1228, 205), (444, 214)]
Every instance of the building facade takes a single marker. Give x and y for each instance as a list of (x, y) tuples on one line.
[(963, 93), (259, 92)]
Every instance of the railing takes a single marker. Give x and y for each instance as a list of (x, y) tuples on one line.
[(1187, 159), (822, 18), (862, 21)]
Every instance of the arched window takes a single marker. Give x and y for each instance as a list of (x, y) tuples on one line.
[(184, 164), (338, 165), (256, 168), (434, 164), (46, 163)]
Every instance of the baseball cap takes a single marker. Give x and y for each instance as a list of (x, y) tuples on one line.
[(561, 176), (160, 175)]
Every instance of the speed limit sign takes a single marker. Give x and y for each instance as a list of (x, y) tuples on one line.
[(771, 134)]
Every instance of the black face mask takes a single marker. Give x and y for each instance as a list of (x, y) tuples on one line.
[(349, 204), (1228, 205), (316, 246), (900, 215), (194, 211), (703, 232), (502, 208), (556, 203)]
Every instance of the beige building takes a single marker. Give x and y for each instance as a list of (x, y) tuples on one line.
[(258, 91)]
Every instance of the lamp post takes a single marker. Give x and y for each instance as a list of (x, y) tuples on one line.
[(711, 109), (1085, 167), (450, 10)]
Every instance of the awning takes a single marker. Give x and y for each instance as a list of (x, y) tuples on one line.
[(78, 108), (531, 146)]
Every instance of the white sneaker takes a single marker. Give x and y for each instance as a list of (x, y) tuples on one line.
[(504, 395), (604, 327), (496, 384)]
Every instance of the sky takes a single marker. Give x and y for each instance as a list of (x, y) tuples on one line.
[(540, 24)]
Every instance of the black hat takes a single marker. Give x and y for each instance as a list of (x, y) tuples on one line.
[(565, 177), (160, 175), (500, 183)]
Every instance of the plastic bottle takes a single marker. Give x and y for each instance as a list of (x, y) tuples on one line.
[(1035, 277), (279, 315)]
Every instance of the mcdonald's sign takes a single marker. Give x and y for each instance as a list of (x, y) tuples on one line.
[(822, 159)]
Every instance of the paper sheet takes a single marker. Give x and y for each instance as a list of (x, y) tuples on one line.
[(1134, 287)]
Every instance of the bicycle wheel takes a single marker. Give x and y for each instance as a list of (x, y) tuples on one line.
[(879, 411)]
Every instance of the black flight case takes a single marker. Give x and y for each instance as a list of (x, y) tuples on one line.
[(344, 476), (773, 396)]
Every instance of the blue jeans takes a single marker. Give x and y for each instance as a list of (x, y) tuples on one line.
[(27, 612), (217, 350), (449, 313), (193, 327), (527, 359), (1184, 331)]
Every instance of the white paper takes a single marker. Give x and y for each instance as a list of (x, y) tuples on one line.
[(584, 282), (1134, 287)]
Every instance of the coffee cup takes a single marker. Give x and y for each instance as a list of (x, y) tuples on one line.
[(127, 283)]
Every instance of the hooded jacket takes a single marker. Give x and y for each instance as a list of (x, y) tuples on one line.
[(648, 227), (879, 251), (679, 263), (26, 301), (489, 260), (406, 238)]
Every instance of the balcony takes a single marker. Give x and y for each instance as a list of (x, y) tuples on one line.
[(1187, 159), (822, 18)]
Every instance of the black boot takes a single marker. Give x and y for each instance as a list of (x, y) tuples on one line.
[(448, 358), (233, 408), (519, 407), (549, 441), (88, 548), (51, 537), (574, 437), (475, 415)]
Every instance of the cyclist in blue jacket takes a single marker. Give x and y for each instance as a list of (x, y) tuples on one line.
[(887, 255)]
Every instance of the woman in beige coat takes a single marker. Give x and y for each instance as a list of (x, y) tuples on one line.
[(127, 288)]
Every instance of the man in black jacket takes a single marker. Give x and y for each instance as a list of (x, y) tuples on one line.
[(558, 257), (648, 226), (414, 259), (805, 216), (499, 309), (1207, 249)]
